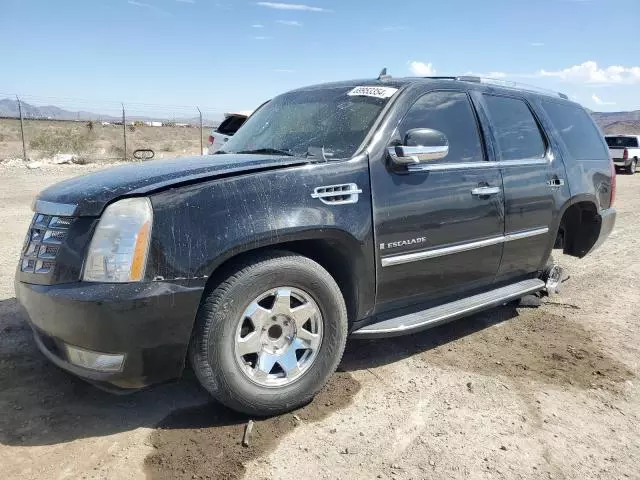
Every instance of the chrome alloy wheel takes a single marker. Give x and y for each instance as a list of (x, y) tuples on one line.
[(278, 337)]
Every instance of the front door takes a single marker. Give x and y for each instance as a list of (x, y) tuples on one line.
[(439, 229)]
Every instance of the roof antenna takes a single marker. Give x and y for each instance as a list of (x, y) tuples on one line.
[(383, 75)]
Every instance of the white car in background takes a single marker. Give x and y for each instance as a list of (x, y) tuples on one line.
[(625, 151), (230, 125)]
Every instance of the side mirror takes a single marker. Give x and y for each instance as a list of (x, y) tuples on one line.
[(420, 145)]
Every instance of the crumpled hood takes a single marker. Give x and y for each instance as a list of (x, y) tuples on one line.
[(92, 192)]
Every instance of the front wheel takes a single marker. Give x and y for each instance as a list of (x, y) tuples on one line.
[(268, 338)]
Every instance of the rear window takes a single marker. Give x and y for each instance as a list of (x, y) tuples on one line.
[(622, 142), (580, 135), (516, 129), (231, 124)]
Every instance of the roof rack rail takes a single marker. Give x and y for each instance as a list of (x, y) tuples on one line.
[(510, 84)]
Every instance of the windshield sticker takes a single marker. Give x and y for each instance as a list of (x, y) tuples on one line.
[(377, 92)]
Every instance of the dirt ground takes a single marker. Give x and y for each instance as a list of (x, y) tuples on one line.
[(547, 392)]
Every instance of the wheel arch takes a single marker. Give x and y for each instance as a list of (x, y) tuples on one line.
[(578, 226), (344, 257)]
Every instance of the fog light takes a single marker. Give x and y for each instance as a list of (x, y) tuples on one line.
[(103, 362)]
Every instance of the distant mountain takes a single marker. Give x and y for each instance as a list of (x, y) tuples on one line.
[(625, 123), (9, 109)]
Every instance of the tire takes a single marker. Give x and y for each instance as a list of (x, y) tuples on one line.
[(632, 168), (222, 317)]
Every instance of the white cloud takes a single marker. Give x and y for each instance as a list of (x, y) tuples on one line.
[(283, 70), (186, 1), (537, 44), (292, 6), (590, 72), (257, 25), (422, 69), (148, 6), (598, 101), (261, 38), (489, 74), (289, 23)]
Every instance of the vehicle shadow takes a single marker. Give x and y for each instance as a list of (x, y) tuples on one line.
[(365, 354), (43, 405)]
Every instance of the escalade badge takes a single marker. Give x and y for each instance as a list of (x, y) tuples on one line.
[(403, 243)]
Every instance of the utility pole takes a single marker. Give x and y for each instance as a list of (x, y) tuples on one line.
[(201, 141), (124, 132), (24, 147)]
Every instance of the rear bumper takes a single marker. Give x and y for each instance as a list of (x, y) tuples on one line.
[(148, 323), (618, 162), (607, 222)]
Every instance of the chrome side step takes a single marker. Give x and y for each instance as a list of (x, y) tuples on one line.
[(432, 317)]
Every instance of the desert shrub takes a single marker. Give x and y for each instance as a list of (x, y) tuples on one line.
[(69, 140), (168, 147), (116, 151)]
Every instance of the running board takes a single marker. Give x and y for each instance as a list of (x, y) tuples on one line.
[(435, 316)]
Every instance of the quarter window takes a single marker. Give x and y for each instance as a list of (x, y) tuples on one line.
[(580, 135), (450, 113), (515, 128)]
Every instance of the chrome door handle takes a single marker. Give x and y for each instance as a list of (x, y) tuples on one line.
[(482, 191), (555, 182)]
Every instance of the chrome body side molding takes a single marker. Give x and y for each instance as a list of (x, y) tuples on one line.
[(439, 252), (442, 167)]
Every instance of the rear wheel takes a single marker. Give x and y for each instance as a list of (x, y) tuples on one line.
[(632, 168), (268, 337)]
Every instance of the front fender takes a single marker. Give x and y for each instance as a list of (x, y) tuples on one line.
[(199, 227)]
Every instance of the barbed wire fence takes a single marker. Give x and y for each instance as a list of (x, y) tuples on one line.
[(65, 129)]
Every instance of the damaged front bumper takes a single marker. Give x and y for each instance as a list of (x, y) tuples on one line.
[(121, 336)]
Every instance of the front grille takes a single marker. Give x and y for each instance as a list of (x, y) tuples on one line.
[(41, 247)]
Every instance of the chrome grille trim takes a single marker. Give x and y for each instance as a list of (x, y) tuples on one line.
[(42, 244)]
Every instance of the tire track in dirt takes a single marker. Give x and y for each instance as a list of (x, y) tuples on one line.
[(204, 442), (534, 345)]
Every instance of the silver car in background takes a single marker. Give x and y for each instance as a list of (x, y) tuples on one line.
[(229, 126)]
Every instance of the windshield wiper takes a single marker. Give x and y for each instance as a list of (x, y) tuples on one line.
[(267, 151)]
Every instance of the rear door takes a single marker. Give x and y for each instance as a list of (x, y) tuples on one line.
[(437, 234), (534, 179)]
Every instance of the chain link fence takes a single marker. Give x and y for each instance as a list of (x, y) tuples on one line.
[(71, 132)]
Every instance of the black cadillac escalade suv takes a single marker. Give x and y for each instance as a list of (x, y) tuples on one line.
[(367, 208)]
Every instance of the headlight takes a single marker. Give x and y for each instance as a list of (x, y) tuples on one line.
[(120, 244)]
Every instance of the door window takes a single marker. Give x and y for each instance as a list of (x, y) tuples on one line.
[(516, 130), (452, 114)]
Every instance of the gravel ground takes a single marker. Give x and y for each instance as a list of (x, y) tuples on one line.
[(547, 392)]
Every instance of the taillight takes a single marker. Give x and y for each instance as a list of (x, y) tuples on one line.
[(625, 155), (613, 183), (211, 139)]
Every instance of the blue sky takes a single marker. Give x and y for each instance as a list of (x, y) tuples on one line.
[(233, 54)]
